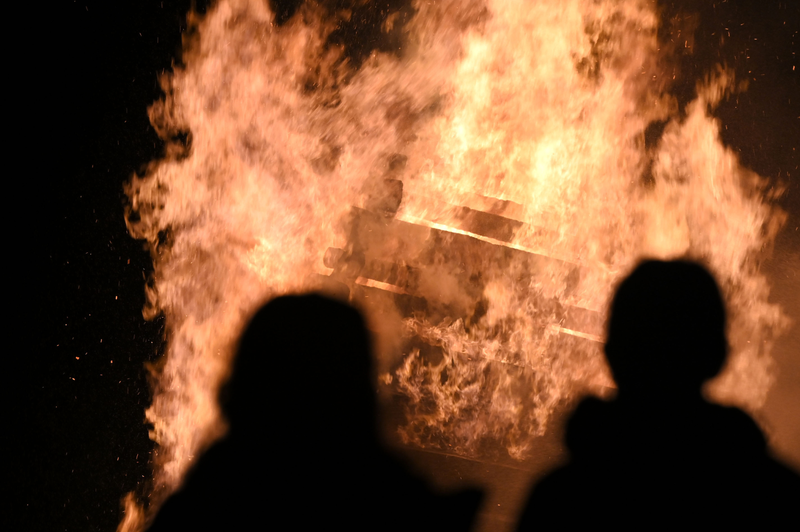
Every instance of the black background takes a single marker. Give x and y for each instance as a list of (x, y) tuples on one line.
[(80, 77)]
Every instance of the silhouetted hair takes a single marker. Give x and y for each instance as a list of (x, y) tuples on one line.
[(307, 358), (666, 328)]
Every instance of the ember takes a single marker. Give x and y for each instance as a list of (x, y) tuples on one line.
[(477, 194)]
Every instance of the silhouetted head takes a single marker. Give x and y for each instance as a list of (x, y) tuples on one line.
[(303, 371), (666, 330)]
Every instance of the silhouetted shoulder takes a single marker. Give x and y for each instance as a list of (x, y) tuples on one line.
[(632, 468), (203, 504)]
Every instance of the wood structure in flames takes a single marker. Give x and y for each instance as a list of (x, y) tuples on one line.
[(479, 241), (476, 241)]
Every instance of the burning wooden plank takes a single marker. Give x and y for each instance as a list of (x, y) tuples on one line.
[(404, 257)]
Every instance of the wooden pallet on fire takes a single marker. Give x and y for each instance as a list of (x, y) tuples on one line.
[(405, 257), (436, 269)]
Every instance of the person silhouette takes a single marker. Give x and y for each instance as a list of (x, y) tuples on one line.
[(302, 451), (659, 455)]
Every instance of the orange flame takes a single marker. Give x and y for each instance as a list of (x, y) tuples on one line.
[(530, 114)]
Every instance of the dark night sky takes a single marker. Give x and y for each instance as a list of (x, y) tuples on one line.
[(76, 439)]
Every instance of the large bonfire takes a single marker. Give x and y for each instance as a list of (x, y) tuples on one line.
[(477, 186)]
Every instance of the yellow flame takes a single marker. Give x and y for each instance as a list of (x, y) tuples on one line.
[(531, 112)]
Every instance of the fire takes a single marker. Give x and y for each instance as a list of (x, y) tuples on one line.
[(478, 194)]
